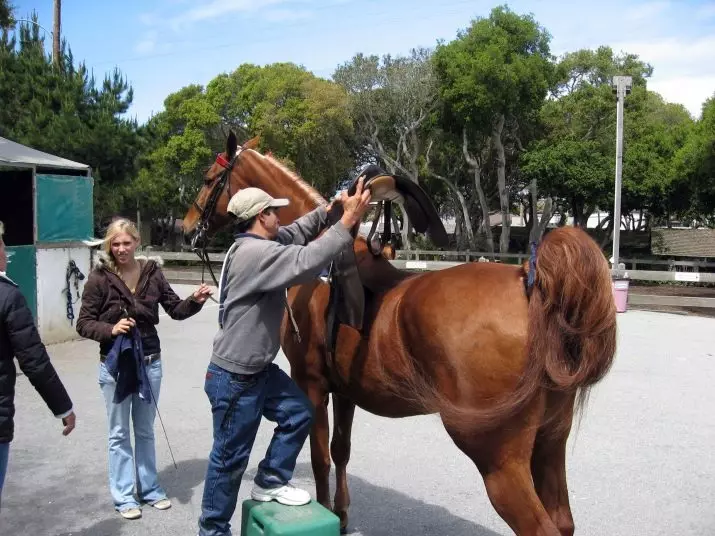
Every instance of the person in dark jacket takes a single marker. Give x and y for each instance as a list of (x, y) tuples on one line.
[(19, 339), (121, 297)]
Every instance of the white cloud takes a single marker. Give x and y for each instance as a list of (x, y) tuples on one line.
[(284, 15), (149, 19), (147, 45), (690, 91), (707, 11), (214, 9), (649, 10), (684, 70)]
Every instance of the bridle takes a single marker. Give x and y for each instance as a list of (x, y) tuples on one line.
[(199, 241)]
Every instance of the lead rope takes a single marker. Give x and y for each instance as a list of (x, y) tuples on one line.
[(72, 271), (294, 324)]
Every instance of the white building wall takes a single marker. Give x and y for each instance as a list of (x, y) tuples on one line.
[(52, 265)]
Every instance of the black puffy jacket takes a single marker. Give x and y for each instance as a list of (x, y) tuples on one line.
[(19, 338)]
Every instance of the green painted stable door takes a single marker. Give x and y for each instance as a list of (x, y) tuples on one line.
[(22, 268), (64, 208), (273, 519)]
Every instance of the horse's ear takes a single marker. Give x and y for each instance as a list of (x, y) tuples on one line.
[(252, 143), (231, 145)]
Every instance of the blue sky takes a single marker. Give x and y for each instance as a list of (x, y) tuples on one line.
[(163, 45)]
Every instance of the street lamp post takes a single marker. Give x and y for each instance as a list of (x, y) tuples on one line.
[(621, 87)]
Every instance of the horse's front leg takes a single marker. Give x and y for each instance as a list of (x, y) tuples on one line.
[(319, 451), (343, 413)]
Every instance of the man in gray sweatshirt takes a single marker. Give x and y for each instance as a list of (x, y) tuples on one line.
[(242, 382)]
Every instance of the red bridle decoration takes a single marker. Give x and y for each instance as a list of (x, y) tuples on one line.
[(221, 161)]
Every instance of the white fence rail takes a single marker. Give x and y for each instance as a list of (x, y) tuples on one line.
[(191, 272)]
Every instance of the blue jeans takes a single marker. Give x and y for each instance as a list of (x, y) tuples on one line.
[(4, 453), (127, 468), (237, 404)]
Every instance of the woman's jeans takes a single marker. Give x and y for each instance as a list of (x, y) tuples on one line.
[(128, 470)]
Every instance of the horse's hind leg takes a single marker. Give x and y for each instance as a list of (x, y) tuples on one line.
[(343, 413), (503, 457), (548, 461)]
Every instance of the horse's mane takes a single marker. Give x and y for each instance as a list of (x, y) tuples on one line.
[(312, 193)]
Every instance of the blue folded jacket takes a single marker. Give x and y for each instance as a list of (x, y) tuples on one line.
[(125, 363)]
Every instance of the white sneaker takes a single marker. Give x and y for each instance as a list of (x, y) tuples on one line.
[(288, 495)]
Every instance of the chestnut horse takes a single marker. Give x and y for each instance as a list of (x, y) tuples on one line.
[(506, 364)]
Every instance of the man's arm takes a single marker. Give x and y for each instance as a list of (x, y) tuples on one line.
[(282, 266), (304, 229), (32, 355)]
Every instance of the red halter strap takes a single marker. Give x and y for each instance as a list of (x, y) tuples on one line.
[(221, 161)]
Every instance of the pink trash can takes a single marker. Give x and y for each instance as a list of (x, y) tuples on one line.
[(620, 294)]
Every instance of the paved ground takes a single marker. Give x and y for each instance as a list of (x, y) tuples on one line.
[(642, 462)]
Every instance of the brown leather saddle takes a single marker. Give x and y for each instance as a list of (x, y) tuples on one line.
[(347, 286)]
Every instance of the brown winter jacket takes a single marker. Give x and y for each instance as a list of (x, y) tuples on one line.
[(106, 299)]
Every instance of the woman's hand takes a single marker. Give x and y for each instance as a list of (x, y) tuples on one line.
[(202, 293), (123, 326)]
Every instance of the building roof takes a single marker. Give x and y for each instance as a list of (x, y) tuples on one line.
[(683, 242), (16, 155)]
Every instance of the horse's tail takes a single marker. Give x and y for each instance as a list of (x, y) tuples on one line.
[(572, 314), (571, 338)]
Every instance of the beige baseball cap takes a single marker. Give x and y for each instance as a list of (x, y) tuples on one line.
[(251, 201)]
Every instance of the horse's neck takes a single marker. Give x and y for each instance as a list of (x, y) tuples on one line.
[(280, 182), (299, 206)]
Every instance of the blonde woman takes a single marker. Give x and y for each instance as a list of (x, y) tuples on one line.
[(123, 292)]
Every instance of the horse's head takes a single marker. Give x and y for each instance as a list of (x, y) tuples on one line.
[(208, 212)]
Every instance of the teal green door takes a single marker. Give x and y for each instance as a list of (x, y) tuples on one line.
[(22, 269), (64, 208)]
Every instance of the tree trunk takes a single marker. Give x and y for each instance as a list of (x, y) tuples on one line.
[(406, 229), (538, 227), (476, 168), (498, 146), (465, 210), (608, 237)]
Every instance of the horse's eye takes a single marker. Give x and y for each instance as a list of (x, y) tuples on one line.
[(208, 180)]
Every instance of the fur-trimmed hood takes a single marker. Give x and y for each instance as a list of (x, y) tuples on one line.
[(101, 260)]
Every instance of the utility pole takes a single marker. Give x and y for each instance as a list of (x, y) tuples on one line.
[(621, 87), (56, 33)]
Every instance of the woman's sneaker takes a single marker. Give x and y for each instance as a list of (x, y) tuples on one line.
[(288, 495), (131, 513), (161, 504)]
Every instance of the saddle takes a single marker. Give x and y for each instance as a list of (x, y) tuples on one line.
[(349, 288)]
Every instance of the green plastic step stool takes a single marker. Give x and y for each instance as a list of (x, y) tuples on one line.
[(273, 519)]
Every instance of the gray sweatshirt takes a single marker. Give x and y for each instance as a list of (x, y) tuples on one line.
[(254, 279)]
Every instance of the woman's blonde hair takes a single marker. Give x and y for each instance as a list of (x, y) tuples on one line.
[(118, 226)]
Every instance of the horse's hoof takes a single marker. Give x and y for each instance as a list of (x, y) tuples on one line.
[(343, 530)]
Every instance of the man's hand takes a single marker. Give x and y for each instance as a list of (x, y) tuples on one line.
[(69, 423), (354, 206), (123, 326)]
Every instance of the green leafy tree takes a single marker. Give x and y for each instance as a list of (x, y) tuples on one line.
[(64, 111), (6, 19), (692, 196), (302, 120), (493, 80)]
